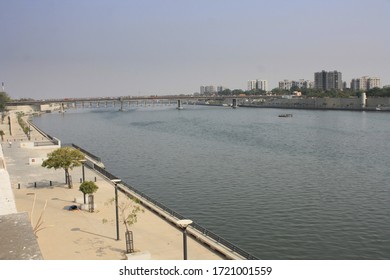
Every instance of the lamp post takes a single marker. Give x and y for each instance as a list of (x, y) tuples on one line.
[(82, 166), (116, 182), (184, 224)]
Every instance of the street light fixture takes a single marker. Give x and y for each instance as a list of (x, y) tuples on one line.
[(116, 182), (184, 224), (83, 161)]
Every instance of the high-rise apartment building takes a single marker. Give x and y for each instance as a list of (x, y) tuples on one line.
[(205, 90), (328, 80), (220, 88), (258, 84), (252, 84), (287, 84), (373, 82), (365, 83), (263, 85), (359, 84)]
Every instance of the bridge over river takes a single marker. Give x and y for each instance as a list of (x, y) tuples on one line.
[(123, 102), (362, 103)]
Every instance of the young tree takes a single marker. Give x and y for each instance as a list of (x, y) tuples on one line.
[(65, 158), (88, 187), (128, 209)]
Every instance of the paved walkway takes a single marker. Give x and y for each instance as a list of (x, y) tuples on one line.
[(80, 234)]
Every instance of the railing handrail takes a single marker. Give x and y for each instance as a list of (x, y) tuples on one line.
[(98, 159), (43, 143), (53, 140)]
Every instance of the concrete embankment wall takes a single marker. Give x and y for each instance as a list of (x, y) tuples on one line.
[(378, 101), (325, 103), (7, 200)]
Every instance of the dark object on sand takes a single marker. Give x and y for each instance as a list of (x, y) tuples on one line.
[(73, 207)]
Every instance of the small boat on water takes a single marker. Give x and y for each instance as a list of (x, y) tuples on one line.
[(285, 116)]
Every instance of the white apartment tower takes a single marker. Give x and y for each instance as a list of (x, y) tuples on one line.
[(252, 84), (373, 82), (258, 84), (263, 85)]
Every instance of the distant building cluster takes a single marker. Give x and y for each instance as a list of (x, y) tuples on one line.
[(365, 83), (332, 80), (288, 84), (208, 90), (258, 84), (324, 80)]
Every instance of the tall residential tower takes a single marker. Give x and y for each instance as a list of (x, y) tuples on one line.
[(258, 84), (328, 80), (365, 83)]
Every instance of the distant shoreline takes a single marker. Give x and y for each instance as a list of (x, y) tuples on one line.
[(316, 108)]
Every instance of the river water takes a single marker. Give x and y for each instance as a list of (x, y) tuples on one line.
[(314, 186)]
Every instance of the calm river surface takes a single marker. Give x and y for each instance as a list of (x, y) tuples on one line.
[(314, 186)]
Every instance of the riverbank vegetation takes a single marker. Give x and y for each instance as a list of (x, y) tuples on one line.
[(23, 123), (4, 98), (379, 92)]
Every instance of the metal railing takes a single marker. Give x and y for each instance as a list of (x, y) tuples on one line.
[(52, 140), (87, 153), (43, 143)]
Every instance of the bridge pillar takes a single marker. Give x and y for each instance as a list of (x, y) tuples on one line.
[(98, 104), (234, 103), (121, 109), (179, 107)]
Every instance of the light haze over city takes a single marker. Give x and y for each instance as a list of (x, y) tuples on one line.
[(65, 49)]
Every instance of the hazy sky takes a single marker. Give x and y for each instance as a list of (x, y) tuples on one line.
[(76, 48)]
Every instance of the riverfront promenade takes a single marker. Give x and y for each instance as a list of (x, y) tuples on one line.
[(79, 234)]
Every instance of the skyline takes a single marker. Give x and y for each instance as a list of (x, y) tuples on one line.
[(115, 48)]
